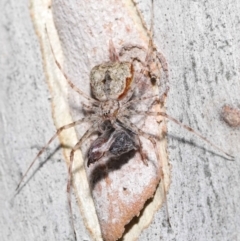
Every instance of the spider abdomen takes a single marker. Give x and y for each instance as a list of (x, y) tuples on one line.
[(111, 80)]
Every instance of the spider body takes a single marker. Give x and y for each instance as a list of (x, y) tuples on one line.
[(114, 85), (110, 82)]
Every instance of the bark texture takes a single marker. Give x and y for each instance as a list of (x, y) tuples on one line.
[(201, 43)]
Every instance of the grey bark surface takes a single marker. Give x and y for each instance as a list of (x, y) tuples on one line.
[(201, 42)]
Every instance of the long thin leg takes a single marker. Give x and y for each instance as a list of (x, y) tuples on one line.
[(139, 100), (151, 47), (78, 122), (164, 63), (153, 54), (130, 47), (66, 77), (76, 147), (165, 80), (165, 196), (90, 108), (143, 156), (136, 112)]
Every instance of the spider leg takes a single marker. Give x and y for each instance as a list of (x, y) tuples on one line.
[(150, 113), (164, 63), (90, 108), (165, 81), (130, 47), (66, 77), (165, 196), (152, 56), (78, 122), (143, 156), (139, 100), (69, 182)]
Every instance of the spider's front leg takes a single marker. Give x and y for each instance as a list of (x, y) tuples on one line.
[(70, 83), (90, 108), (125, 105), (130, 51)]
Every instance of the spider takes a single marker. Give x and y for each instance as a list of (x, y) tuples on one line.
[(114, 86), (117, 86)]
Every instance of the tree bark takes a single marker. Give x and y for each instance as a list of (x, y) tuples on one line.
[(201, 44)]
